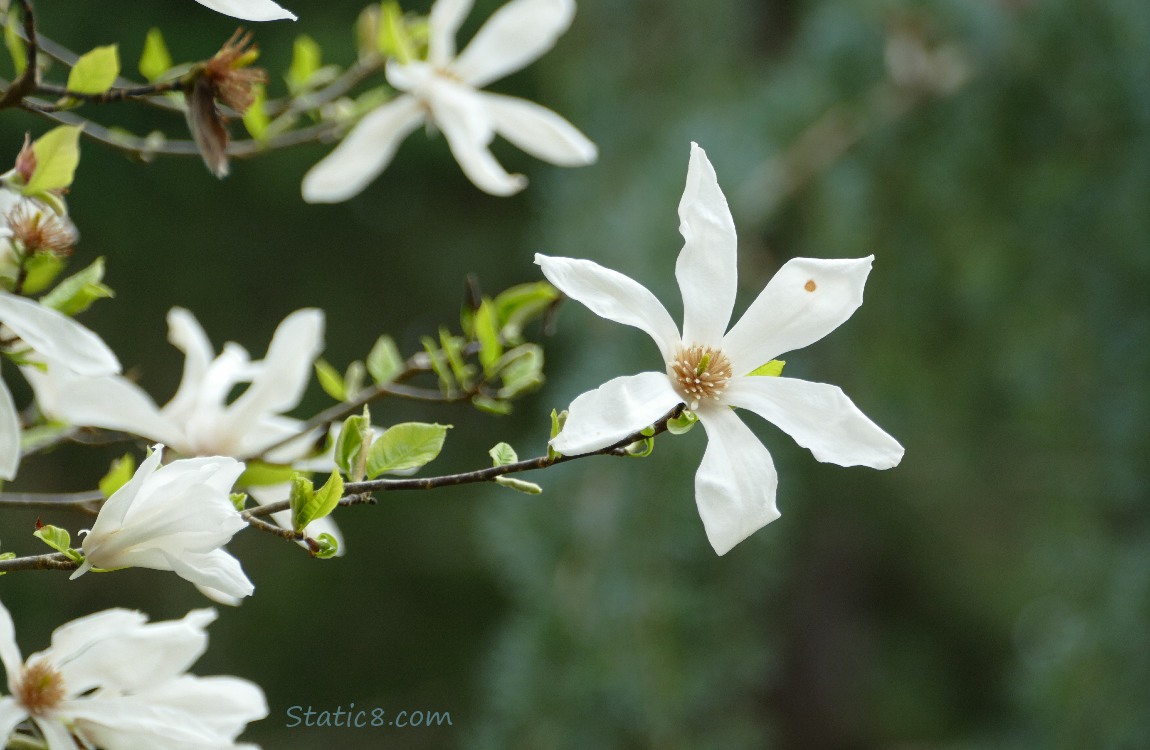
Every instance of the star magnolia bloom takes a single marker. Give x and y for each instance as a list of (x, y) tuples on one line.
[(708, 369), (174, 517), (115, 681), (249, 10), (444, 90), (58, 339), (199, 420)]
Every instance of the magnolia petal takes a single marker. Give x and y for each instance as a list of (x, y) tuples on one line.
[(112, 720), (9, 434), (461, 115), (9, 651), (364, 153), (611, 295), (820, 418), (221, 704), (539, 131), (216, 569), (284, 372), (57, 337), (736, 482), (140, 655), (616, 409), (249, 10), (113, 511), (11, 712), (515, 36), (55, 733), (807, 299), (111, 402), (186, 334), (707, 266), (442, 25)]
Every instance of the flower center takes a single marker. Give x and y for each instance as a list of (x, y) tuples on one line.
[(40, 688), (700, 372)]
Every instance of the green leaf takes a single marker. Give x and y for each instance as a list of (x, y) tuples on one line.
[(326, 547), (239, 500), (353, 378), (487, 334), (502, 454), (14, 43), (256, 118), (40, 270), (774, 368), (394, 39), (641, 448), (95, 71), (118, 475), (301, 495), (353, 444), (305, 61), (490, 405), (682, 423), (57, 155), (59, 540), (330, 380), (259, 474), (439, 365), (317, 504), (384, 361), (558, 419), (6, 555), (155, 60), (77, 292), (521, 370), (520, 304), (405, 447), (453, 351), (519, 485)]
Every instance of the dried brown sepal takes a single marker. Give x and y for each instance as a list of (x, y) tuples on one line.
[(39, 231), (207, 126), (226, 78)]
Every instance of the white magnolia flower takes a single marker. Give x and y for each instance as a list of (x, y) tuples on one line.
[(249, 10), (444, 89), (56, 338), (199, 420), (707, 367), (112, 680), (174, 517)]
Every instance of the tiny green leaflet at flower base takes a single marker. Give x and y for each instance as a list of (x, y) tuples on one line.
[(712, 369)]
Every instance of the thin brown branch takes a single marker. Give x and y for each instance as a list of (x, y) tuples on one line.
[(51, 561), (26, 82), (82, 501)]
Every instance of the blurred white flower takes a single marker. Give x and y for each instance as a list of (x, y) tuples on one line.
[(56, 338), (115, 681), (174, 517), (249, 10), (199, 420), (709, 370), (444, 90)]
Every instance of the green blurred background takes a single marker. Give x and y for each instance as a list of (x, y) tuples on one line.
[(993, 591)]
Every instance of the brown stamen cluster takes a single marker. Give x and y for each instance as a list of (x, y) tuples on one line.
[(700, 372), (233, 82), (40, 688), (39, 231)]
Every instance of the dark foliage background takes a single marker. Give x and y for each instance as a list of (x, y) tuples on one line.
[(992, 591)]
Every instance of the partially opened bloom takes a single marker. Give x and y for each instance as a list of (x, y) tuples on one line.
[(708, 367), (115, 681), (175, 517), (56, 338), (199, 420), (249, 10), (445, 88)]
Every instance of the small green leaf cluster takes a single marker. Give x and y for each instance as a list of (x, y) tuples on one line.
[(401, 448)]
